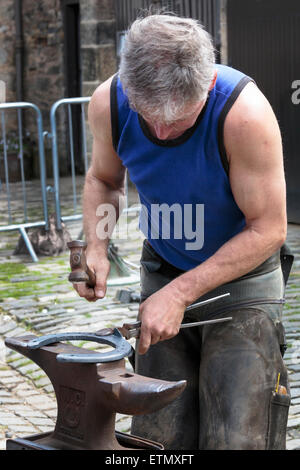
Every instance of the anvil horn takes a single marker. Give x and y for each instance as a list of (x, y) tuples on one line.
[(134, 394)]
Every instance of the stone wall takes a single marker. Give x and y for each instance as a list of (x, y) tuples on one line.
[(223, 32), (98, 43), (43, 52), (7, 48), (44, 44), (98, 46)]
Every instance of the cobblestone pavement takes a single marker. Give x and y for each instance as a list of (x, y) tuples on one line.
[(36, 298)]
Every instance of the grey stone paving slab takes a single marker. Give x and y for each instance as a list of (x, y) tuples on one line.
[(28, 368), (294, 383), (295, 392), (294, 377), (293, 445), (8, 400), (10, 380), (17, 332), (40, 421), (5, 327), (23, 431), (11, 420), (294, 423), (294, 367), (47, 324), (295, 409)]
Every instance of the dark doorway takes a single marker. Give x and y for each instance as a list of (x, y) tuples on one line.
[(71, 20), (264, 42)]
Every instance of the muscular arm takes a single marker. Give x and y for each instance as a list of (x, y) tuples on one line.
[(253, 145), (104, 184)]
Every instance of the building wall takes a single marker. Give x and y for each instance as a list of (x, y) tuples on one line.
[(98, 43), (43, 52), (223, 33), (7, 47), (44, 43)]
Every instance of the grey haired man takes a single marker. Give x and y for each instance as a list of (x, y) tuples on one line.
[(194, 133)]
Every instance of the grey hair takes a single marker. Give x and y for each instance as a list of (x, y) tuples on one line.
[(166, 63)]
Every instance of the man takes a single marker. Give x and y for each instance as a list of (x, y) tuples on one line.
[(201, 138)]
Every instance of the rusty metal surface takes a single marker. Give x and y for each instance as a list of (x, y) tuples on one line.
[(90, 394)]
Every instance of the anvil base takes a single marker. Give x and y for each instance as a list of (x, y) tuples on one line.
[(44, 441)]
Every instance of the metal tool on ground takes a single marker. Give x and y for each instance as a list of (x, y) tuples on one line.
[(125, 296), (90, 388)]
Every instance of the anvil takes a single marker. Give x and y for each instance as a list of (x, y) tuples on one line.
[(91, 387)]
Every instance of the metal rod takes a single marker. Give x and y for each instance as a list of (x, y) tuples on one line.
[(72, 157), (83, 130), (6, 166), (28, 244), (42, 162), (21, 154), (55, 158), (55, 166), (9, 228), (208, 301), (205, 322)]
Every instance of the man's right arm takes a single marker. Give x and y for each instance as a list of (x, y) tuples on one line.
[(104, 184)]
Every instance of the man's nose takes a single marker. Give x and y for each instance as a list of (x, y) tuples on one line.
[(162, 131)]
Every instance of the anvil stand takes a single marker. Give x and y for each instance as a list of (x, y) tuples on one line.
[(90, 388)]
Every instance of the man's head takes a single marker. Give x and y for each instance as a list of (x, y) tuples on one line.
[(167, 66)]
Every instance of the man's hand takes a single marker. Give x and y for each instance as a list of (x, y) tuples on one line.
[(98, 262), (161, 316)]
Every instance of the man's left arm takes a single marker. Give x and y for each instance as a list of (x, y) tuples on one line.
[(254, 149)]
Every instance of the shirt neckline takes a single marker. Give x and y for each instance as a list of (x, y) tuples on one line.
[(178, 140)]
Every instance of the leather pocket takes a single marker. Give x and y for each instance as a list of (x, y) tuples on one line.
[(277, 423)]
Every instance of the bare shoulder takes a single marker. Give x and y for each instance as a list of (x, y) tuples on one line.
[(251, 123), (99, 111), (106, 164)]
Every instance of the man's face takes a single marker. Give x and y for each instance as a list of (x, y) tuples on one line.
[(167, 131)]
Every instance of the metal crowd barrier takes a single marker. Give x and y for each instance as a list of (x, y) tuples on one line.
[(53, 135), (21, 227), (55, 156)]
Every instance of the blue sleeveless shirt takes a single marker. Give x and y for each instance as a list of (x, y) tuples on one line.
[(188, 210)]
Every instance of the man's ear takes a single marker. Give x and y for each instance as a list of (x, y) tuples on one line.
[(213, 82)]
